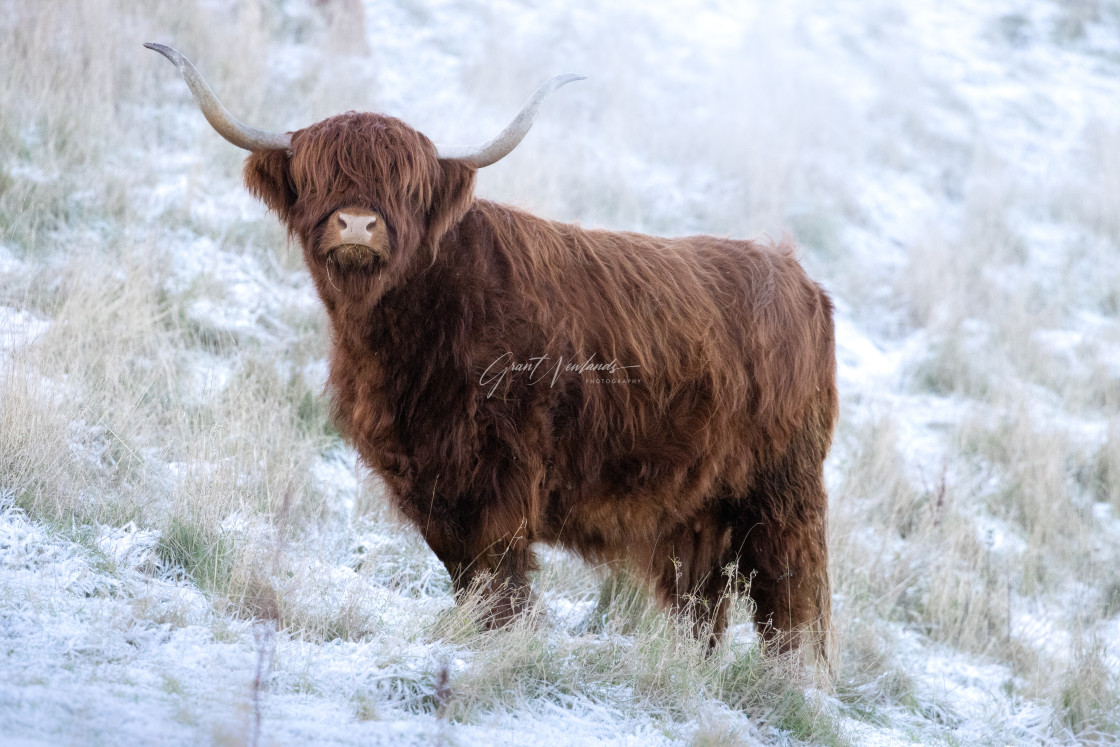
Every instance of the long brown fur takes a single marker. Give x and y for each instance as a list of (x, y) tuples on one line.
[(712, 458)]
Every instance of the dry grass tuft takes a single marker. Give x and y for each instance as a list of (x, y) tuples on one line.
[(1088, 693)]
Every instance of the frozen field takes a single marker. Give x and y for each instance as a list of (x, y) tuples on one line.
[(190, 554)]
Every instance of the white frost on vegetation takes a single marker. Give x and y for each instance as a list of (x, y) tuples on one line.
[(19, 327)]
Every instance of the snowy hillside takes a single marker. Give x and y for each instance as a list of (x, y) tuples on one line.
[(190, 554)]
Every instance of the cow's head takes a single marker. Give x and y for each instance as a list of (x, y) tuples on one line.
[(362, 192)]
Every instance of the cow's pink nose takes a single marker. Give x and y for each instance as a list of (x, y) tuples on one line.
[(355, 228)]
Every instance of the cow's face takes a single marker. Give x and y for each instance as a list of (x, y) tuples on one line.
[(365, 194)]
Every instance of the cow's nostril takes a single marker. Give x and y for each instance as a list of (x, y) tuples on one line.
[(370, 226), (341, 222)]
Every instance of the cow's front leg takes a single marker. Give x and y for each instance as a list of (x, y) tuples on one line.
[(489, 561)]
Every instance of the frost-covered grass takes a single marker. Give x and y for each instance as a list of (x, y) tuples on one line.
[(188, 552)]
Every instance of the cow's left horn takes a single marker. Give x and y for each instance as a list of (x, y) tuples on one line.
[(238, 133), (508, 139)]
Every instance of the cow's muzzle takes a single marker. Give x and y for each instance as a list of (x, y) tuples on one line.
[(355, 239)]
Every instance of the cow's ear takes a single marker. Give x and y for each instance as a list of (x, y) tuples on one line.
[(451, 199), (268, 177)]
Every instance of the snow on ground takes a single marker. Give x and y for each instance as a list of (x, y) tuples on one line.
[(19, 327), (99, 652)]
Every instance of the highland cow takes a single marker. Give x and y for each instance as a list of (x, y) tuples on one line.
[(667, 403)]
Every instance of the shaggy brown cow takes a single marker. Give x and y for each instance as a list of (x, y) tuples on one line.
[(667, 402)]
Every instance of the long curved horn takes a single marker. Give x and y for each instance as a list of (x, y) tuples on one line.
[(238, 133), (485, 154)]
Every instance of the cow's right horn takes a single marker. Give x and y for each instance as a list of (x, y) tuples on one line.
[(238, 133), (485, 154)]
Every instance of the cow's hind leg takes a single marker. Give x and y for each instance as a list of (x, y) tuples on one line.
[(688, 569), (779, 539)]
